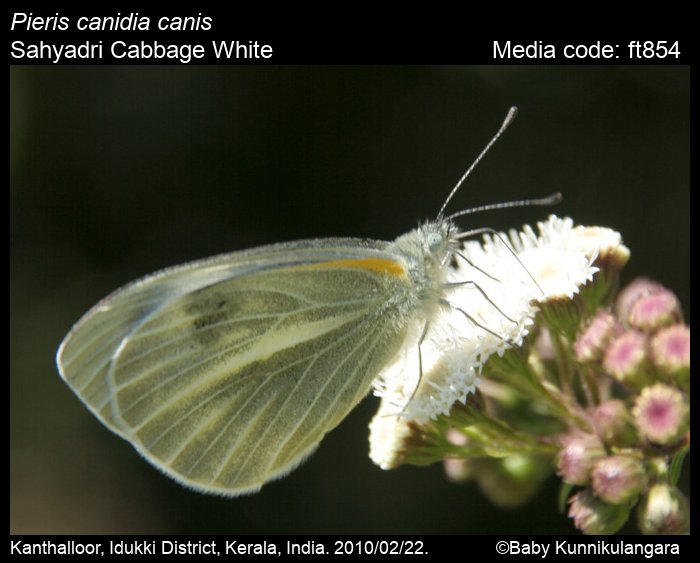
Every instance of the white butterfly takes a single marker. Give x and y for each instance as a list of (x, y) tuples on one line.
[(226, 373)]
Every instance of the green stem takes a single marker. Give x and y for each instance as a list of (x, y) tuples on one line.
[(562, 358), (590, 386), (495, 437)]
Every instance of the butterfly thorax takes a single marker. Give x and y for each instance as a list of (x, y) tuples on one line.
[(426, 253)]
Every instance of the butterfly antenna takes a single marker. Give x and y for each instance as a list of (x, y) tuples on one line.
[(551, 199), (506, 122)]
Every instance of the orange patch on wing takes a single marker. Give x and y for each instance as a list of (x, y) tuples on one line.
[(378, 265)]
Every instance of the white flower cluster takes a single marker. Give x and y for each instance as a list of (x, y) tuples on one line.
[(497, 283)]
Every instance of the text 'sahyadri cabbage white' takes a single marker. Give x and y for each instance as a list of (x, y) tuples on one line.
[(226, 373)]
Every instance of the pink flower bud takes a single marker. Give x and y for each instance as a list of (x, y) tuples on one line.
[(626, 359), (670, 353), (613, 423), (654, 311), (618, 479), (591, 342), (580, 452), (633, 291), (664, 510), (458, 470), (594, 516)]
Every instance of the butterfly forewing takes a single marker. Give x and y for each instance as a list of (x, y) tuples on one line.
[(227, 373)]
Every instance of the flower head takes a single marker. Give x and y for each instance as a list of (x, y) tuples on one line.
[(594, 516), (613, 423), (664, 510), (657, 309), (601, 243), (591, 342), (579, 453), (389, 437), (626, 357), (670, 353), (491, 307), (661, 414), (618, 479), (639, 288)]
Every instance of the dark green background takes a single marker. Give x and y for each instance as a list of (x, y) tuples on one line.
[(119, 171)]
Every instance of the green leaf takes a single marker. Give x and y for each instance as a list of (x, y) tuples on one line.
[(564, 492), (674, 471)]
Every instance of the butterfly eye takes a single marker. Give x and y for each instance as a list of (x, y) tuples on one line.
[(434, 242)]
